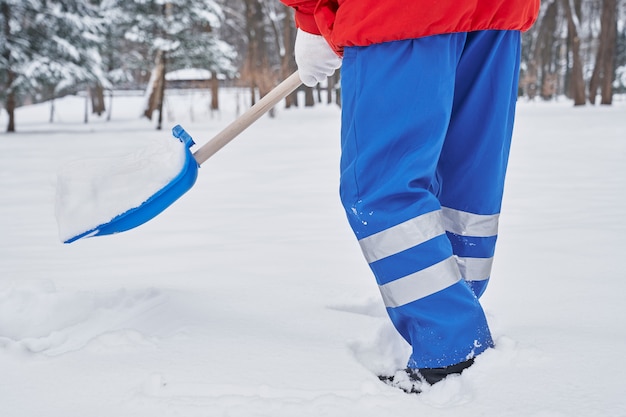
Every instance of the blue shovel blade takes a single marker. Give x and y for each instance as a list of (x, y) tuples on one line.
[(158, 202)]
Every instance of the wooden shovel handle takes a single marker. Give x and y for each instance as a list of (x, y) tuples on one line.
[(240, 124)]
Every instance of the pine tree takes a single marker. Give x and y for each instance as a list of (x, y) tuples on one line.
[(174, 34), (48, 46), (15, 51)]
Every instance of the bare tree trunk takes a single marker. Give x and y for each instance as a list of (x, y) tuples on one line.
[(288, 64), (110, 109), (5, 10), (609, 45), (309, 98), (158, 75), (86, 115), (215, 86), (548, 56), (97, 100), (596, 76), (252, 94), (577, 79), (10, 108), (259, 70), (161, 94), (157, 94), (253, 46), (330, 88), (337, 87), (52, 109)]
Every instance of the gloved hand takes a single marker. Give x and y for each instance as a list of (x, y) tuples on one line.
[(315, 58)]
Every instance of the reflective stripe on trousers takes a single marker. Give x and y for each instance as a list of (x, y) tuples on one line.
[(419, 230)]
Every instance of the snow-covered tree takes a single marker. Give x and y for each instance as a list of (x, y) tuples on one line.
[(47, 46), (68, 54), (174, 34), (122, 61), (15, 51)]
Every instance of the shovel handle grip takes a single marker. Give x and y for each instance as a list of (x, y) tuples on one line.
[(240, 124)]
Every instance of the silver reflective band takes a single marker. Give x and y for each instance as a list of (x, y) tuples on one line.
[(402, 236), (475, 269), (420, 284), (469, 224)]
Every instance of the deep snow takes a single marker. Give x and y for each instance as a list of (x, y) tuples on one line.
[(249, 296)]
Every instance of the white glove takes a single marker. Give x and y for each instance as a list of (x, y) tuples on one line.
[(315, 58)]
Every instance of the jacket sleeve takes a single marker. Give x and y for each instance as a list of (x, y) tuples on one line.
[(304, 14)]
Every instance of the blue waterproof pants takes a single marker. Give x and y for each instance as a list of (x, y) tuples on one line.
[(426, 131)]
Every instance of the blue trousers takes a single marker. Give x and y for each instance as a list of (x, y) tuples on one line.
[(426, 132)]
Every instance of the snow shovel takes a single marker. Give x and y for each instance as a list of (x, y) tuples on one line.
[(168, 176)]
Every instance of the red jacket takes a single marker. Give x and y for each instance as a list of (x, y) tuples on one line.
[(363, 22)]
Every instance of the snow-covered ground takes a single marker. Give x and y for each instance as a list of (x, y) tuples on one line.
[(249, 296)]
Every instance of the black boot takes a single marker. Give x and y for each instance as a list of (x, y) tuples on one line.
[(434, 375), (411, 380)]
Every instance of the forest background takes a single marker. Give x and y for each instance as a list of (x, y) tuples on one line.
[(52, 48)]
